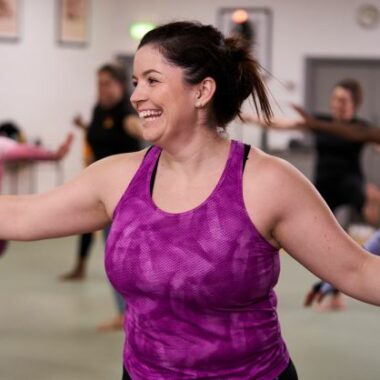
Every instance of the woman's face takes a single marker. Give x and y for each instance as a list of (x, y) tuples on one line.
[(342, 106), (162, 98), (110, 91)]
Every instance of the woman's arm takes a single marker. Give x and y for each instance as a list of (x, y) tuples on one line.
[(21, 151), (73, 208), (82, 205), (356, 132), (276, 122), (78, 122), (298, 220)]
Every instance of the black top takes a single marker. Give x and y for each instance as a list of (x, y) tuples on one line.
[(336, 156), (106, 134)]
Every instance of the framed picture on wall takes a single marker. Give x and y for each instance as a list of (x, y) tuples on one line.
[(254, 25), (9, 20), (73, 22)]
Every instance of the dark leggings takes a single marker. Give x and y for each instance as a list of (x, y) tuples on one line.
[(85, 244), (289, 373)]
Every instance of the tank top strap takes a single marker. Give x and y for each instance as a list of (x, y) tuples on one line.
[(139, 185), (144, 173), (151, 158), (236, 164)]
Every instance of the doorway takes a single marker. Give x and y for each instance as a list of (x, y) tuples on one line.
[(323, 73)]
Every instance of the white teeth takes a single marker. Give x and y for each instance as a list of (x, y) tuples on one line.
[(149, 114)]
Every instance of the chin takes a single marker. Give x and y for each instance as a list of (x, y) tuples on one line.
[(152, 133), (151, 137)]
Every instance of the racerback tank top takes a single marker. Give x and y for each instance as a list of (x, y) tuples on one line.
[(198, 284)]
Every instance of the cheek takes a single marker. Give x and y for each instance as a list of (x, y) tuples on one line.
[(351, 109)]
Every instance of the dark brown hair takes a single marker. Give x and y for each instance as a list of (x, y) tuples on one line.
[(116, 72), (202, 51), (354, 88)]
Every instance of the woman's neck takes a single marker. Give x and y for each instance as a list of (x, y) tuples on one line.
[(190, 156)]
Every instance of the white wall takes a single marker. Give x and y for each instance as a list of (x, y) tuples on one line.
[(301, 28), (43, 84)]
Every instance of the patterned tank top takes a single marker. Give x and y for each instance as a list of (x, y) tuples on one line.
[(198, 284)]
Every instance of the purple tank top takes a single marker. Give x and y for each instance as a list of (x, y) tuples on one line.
[(198, 284)]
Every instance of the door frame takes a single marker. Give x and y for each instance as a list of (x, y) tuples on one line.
[(312, 62)]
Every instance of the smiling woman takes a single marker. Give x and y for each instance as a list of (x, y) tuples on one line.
[(197, 219), (161, 97)]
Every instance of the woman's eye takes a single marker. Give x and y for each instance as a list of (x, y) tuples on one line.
[(134, 83), (152, 80)]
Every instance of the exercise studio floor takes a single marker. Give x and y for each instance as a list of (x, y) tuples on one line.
[(47, 328)]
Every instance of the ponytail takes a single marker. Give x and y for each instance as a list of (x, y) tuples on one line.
[(245, 77)]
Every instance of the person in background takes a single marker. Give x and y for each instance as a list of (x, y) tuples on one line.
[(14, 149), (114, 128), (354, 132), (86, 240)]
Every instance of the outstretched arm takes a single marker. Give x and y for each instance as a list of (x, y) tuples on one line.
[(305, 227), (313, 237), (78, 122), (73, 208), (276, 122), (355, 132), (84, 204), (33, 152)]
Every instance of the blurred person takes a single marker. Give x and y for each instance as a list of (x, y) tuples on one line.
[(114, 128), (13, 151), (85, 240)]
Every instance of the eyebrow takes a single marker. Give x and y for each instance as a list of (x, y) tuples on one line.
[(147, 72)]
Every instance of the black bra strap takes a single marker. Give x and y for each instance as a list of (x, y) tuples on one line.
[(247, 149)]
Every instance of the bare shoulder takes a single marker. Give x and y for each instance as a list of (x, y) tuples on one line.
[(263, 170), (112, 175), (127, 162), (271, 186)]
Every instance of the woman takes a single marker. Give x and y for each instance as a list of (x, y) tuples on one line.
[(196, 228), (113, 129)]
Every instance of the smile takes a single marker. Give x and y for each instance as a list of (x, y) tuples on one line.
[(150, 114)]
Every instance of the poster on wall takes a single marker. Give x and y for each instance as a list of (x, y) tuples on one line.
[(73, 22), (9, 19), (252, 24)]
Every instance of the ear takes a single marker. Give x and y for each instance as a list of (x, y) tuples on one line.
[(205, 92)]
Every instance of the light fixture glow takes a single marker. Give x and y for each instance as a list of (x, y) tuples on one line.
[(239, 16), (137, 30)]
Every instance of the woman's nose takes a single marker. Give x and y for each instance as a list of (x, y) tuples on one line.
[(137, 94)]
